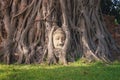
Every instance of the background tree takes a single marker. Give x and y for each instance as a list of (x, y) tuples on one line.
[(111, 7), (29, 26)]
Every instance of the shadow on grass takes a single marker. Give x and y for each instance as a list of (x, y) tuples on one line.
[(36, 72)]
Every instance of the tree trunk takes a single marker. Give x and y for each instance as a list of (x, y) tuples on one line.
[(27, 28)]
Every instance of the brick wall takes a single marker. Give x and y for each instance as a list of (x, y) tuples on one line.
[(112, 27)]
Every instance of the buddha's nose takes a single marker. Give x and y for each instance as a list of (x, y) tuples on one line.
[(60, 41)]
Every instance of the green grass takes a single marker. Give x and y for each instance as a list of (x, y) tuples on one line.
[(74, 71)]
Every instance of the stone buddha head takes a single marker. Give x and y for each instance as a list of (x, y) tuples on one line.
[(58, 38)]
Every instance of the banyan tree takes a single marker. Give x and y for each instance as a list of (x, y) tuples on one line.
[(53, 31)]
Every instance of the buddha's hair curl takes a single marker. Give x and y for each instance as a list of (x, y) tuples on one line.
[(59, 30)]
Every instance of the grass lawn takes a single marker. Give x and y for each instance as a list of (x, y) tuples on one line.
[(74, 71)]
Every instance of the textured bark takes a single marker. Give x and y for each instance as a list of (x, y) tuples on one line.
[(27, 26)]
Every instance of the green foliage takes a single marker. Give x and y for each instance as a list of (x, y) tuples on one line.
[(111, 7), (74, 71)]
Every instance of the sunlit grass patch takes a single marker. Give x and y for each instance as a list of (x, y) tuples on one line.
[(74, 71)]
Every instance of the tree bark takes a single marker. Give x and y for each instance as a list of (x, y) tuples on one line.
[(27, 26)]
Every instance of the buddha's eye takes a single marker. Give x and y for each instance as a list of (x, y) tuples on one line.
[(57, 38), (63, 38)]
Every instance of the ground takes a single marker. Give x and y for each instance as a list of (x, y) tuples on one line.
[(74, 71)]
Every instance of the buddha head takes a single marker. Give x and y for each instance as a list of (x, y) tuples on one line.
[(58, 38)]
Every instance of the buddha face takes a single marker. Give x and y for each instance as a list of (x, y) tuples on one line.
[(58, 38)]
